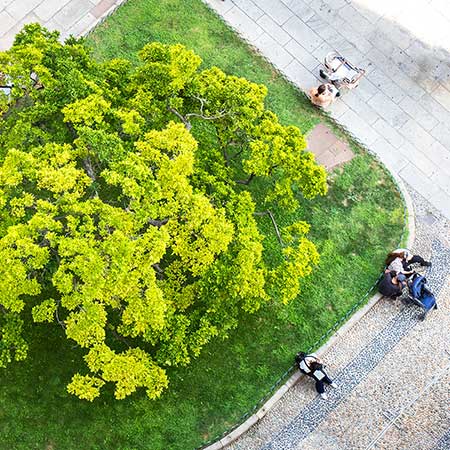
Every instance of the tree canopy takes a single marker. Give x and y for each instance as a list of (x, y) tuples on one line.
[(127, 214)]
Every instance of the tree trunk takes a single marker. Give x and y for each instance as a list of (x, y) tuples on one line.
[(247, 181)]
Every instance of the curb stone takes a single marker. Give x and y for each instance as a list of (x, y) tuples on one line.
[(357, 316)]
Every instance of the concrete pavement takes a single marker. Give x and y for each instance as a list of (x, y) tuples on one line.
[(70, 17)]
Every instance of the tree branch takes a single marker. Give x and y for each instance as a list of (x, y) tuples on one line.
[(118, 336), (60, 322), (246, 182), (269, 213), (186, 122), (158, 223), (87, 163), (160, 272)]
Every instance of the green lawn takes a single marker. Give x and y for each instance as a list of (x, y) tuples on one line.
[(353, 227)]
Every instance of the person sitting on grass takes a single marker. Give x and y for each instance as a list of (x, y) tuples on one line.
[(324, 95), (312, 366)]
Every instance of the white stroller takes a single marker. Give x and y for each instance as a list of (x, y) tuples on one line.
[(340, 72)]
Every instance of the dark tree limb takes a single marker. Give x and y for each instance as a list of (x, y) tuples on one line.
[(202, 101), (60, 322), (87, 163), (159, 271), (185, 118), (118, 336), (186, 122), (277, 231), (247, 181), (158, 223)]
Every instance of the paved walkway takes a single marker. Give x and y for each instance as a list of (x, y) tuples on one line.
[(401, 110), (70, 17)]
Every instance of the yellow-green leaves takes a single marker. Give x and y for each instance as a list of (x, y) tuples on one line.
[(87, 326), (45, 311), (128, 370), (280, 153), (87, 111), (85, 386), (167, 68), (120, 217)]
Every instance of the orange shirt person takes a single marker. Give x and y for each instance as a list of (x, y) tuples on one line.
[(324, 95)]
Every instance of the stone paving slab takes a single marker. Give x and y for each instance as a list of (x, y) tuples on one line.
[(405, 97), (328, 149)]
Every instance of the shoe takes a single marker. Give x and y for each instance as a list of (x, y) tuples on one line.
[(427, 264), (334, 385), (324, 396)]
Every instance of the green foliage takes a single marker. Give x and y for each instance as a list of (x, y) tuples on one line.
[(123, 218)]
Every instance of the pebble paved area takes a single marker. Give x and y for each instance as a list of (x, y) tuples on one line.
[(393, 370)]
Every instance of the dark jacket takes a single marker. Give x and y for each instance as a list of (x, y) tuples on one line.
[(387, 287)]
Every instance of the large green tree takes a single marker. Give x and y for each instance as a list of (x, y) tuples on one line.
[(127, 215)]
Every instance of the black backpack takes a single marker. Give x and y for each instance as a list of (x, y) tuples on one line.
[(299, 357)]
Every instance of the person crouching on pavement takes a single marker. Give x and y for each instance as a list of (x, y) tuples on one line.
[(312, 366), (324, 95)]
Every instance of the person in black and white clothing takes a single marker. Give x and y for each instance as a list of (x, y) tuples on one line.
[(312, 366)]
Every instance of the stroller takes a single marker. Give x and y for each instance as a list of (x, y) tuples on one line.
[(340, 72), (420, 295)]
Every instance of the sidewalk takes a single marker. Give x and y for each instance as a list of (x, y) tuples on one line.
[(74, 17), (401, 110)]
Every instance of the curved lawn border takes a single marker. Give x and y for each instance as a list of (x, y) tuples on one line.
[(358, 315)]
